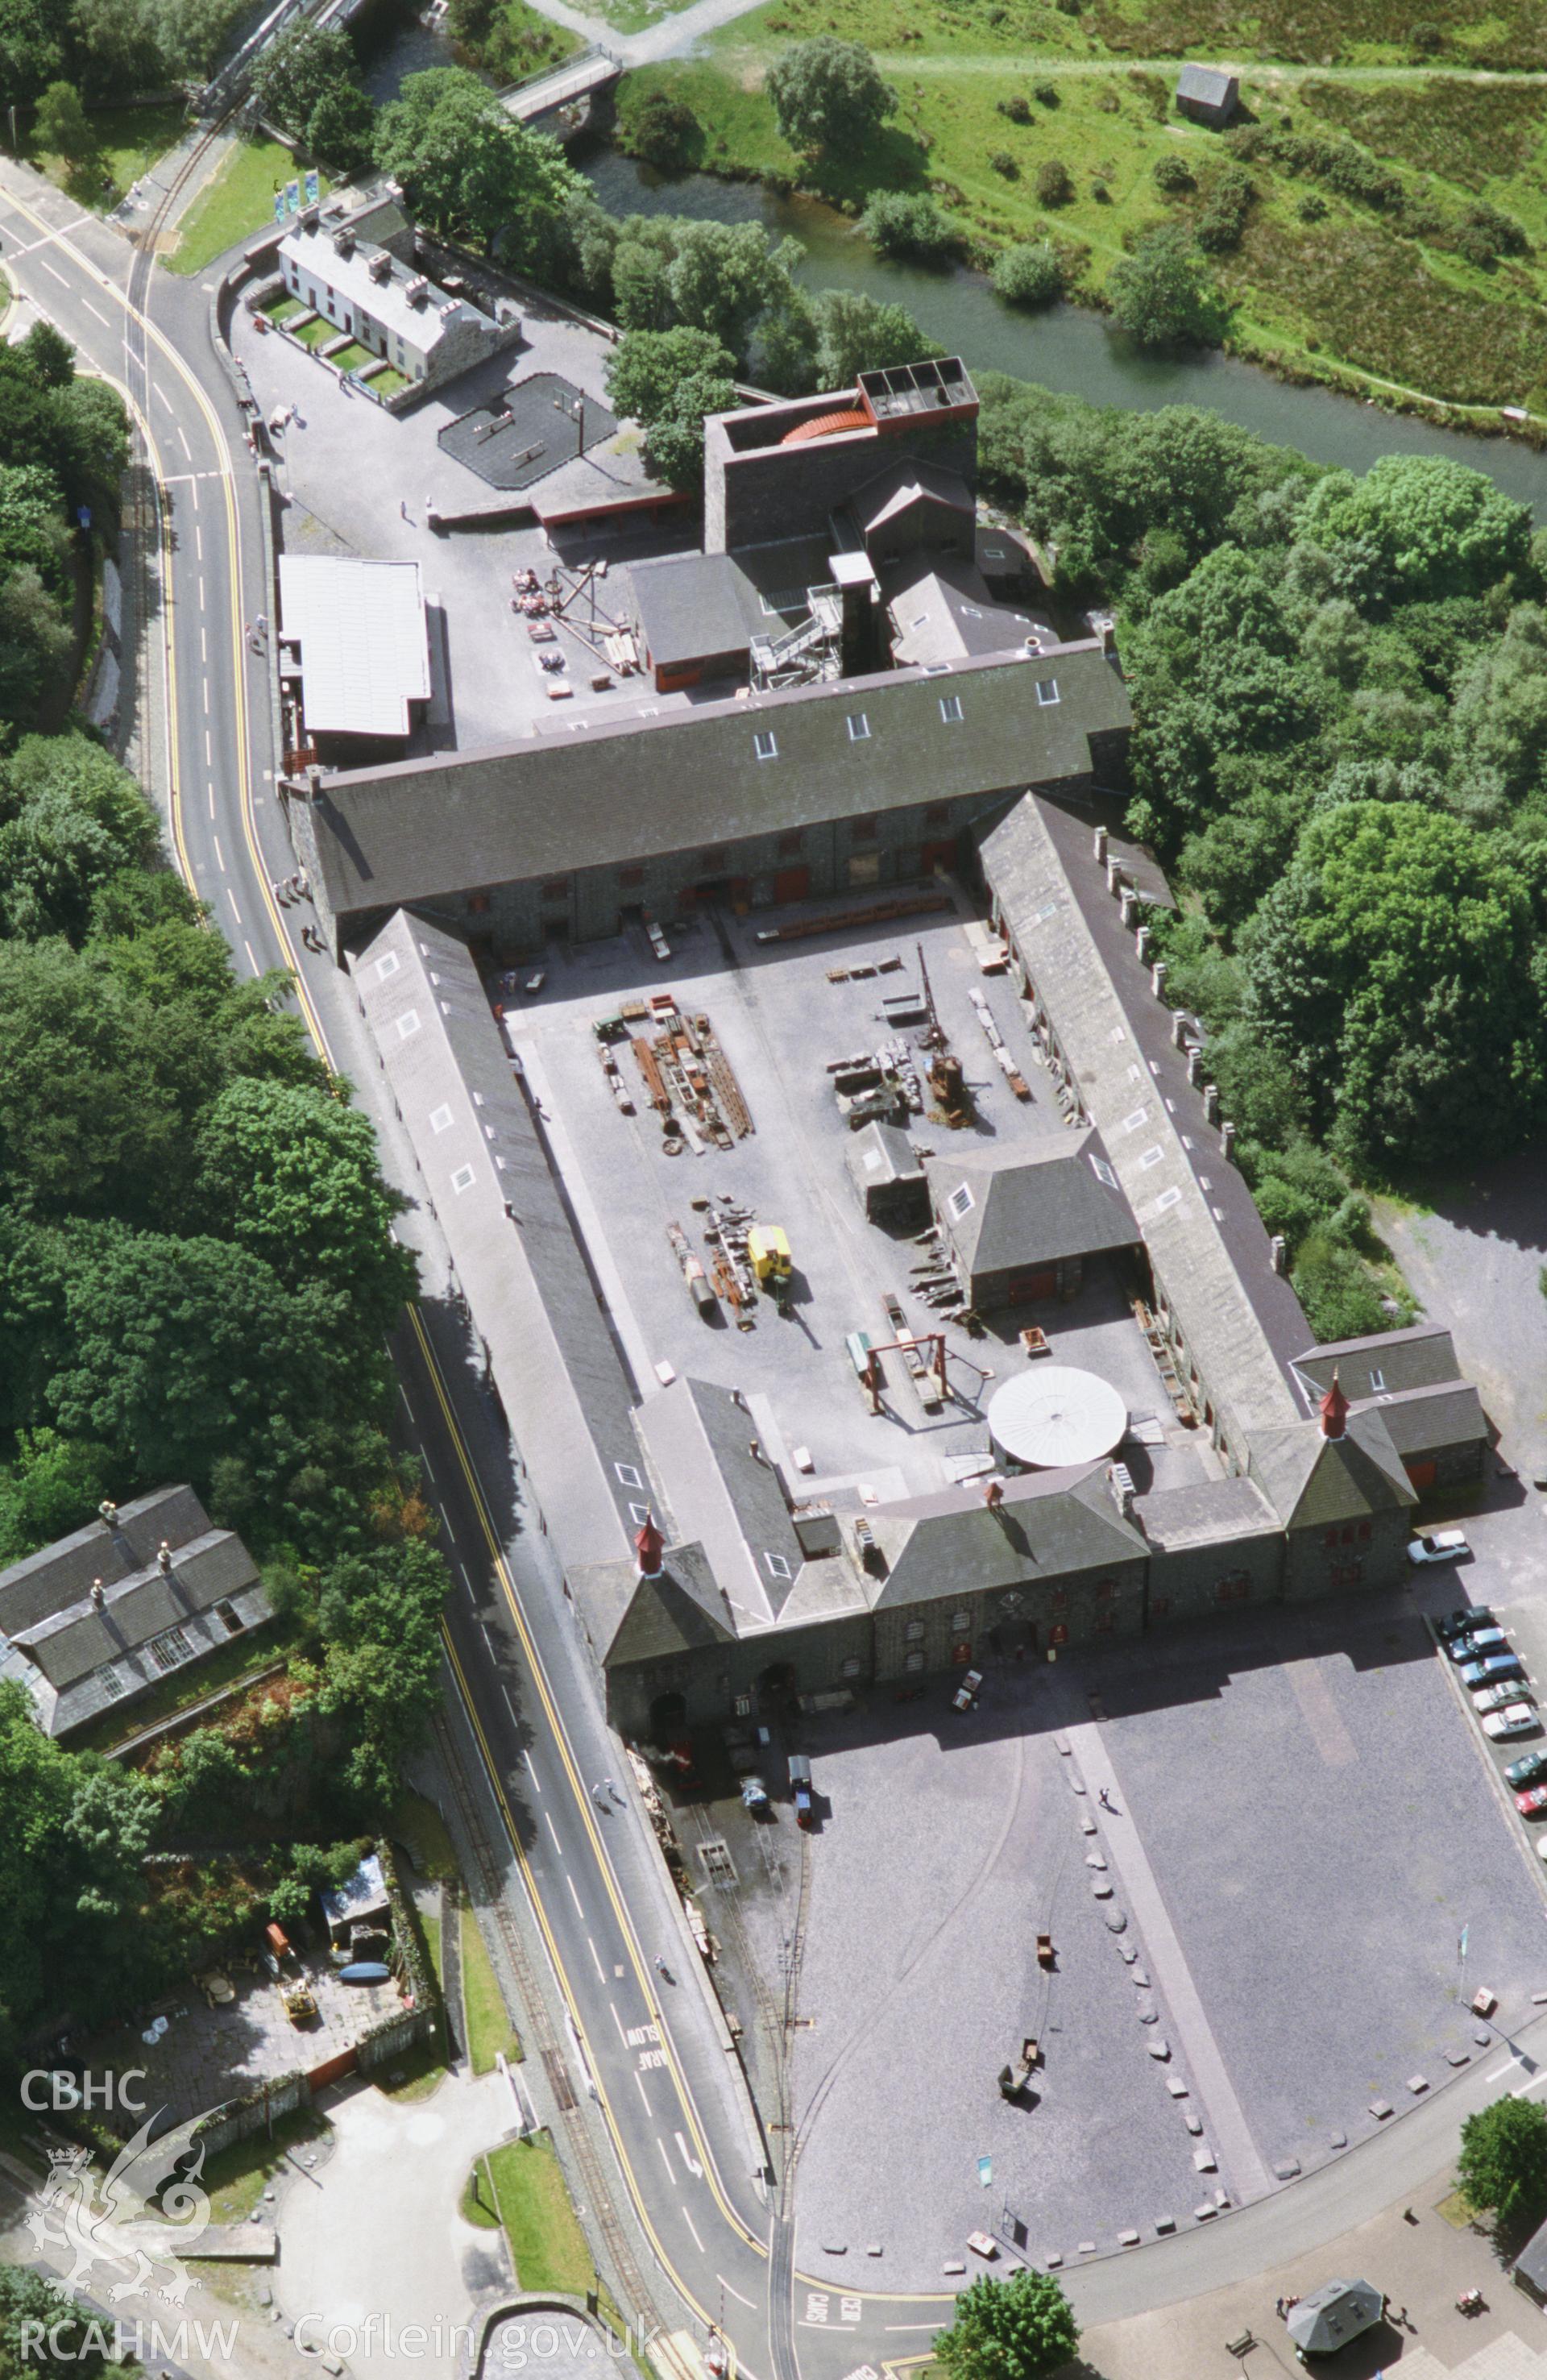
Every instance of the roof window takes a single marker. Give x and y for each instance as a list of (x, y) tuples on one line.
[(1378, 1382), (1102, 1172), (386, 965), (627, 1475), (1046, 691), (441, 1120), (463, 1179), (408, 1024), (169, 1650), (765, 744), (950, 707), (777, 1566), (858, 723), (960, 1201)]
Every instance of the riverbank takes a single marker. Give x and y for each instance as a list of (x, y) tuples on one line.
[(1392, 242)]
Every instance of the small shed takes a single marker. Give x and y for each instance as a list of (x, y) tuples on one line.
[(1530, 2267), (888, 1177), (1333, 2315), (355, 1902), (1207, 94)]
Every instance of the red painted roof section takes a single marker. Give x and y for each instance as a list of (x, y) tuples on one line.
[(826, 425)]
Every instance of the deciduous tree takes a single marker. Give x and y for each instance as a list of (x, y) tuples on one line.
[(1019, 2330), (830, 95)]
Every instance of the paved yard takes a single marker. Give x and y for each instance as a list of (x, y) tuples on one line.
[(1302, 1827)]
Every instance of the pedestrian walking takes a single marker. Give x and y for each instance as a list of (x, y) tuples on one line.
[(403, 508), (1106, 1799), (598, 1795), (613, 1789)]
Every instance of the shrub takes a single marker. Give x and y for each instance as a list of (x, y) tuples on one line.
[(1003, 163), (1054, 187), (1426, 38), (1313, 208), (1018, 107), (1107, 101), (664, 131), (1101, 192), (1222, 221), (1171, 176), (1029, 275), (902, 223), (1045, 95)]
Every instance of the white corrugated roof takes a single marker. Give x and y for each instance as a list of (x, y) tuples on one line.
[(365, 654)]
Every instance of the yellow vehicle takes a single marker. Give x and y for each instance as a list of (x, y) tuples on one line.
[(769, 1252), (297, 2002)]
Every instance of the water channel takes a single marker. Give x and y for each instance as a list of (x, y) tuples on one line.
[(1065, 348)]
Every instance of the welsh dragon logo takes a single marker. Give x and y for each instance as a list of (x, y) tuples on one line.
[(121, 2228)]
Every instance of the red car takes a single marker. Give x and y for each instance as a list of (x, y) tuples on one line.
[(1531, 1804)]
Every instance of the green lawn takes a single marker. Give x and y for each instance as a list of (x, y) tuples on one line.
[(315, 333), (987, 97), (351, 358), (388, 382), (547, 2244), (282, 309), (128, 141), (236, 2178), (237, 204), (490, 2029)]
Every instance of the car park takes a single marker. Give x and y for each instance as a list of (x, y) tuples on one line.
[(1490, 1698), (1529, 1769), (1477, 1644), (1463, 1622), (1486, 1672), (1515, 1718), (1531, 1804), (1438, 1546)]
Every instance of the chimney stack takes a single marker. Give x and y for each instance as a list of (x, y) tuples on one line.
[(163, 1558), (108, 1510), (1276, 1246), (1129, 904), (1195, 1065), (1211, 1103), (1227, 1140), (1141, 942), (1101, 847), (1335, 1410), (98, 1598), (1157, 978), (1178, 1029)]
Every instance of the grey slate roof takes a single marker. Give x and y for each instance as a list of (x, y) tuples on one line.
[(696, 1439), (60, 1574), (901, 485), (1052, 1525), (1206, 86), (1421, 1357), (693, 605), (1314, 1481), (1205, 1513), (68, 1644), (1531, 2264), (417, 830), (1420, 1421), (1202, 1232), (881, 1153), (560, 1375), (947, 612), (656, 1619), (1033, 1203)]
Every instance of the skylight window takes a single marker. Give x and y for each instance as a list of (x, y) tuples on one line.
[(859, 727), (627, 1475), (1378, 1382), (960, 1201), (168, 1651), (463, 1179), (766, 745), (408, 1024), (386, 965), (1046, 691), (950, 707), (1104, 1173), (441, 1121), (777, 1566)]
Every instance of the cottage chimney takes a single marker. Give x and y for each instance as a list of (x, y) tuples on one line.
[(1129, 904), (108, 1512), (1101, 847), (1178, 1029), (1211, 1103), (1195, 1065), (163, 1558), (1157, 978), (98, 1598), (1114, 877), (1227, 1140), (1278, 1249), (1335, 1410), (648, 1546)]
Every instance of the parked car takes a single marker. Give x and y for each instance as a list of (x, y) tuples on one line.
[(755, 1795), (1438, 1546), (1529, 1769), (1477, 1644), (1531, 1804), (1515, 1718), (968, 1691), (1463, 1622), (800, 1788), (1485, 1672), (1487, 1698)]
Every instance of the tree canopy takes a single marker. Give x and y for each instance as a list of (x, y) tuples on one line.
[(465, 166), (1503, 2165), (828, 94), (1022, 2328), (1163, 294)]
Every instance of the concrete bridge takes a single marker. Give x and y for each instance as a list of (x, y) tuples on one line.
[(582, 78)]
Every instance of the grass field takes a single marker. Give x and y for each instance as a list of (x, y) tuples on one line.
[(237, 204), (128, 141), (1394, 287), (490, 2030), (546, 2241)]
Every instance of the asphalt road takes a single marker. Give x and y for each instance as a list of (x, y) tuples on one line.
[(685, 2150)]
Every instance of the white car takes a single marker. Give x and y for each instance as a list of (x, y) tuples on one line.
[(1515, 1718), (1439, 1545)]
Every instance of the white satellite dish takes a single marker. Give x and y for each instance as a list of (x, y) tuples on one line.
[(1057, 1416)]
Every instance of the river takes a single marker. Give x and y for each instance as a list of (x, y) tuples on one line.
[(1067, 348)]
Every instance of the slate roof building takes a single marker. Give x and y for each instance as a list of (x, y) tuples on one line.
[(1207, 94), (366, 291), (1411, 1378), (103, 1616), (1021, 1223)]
